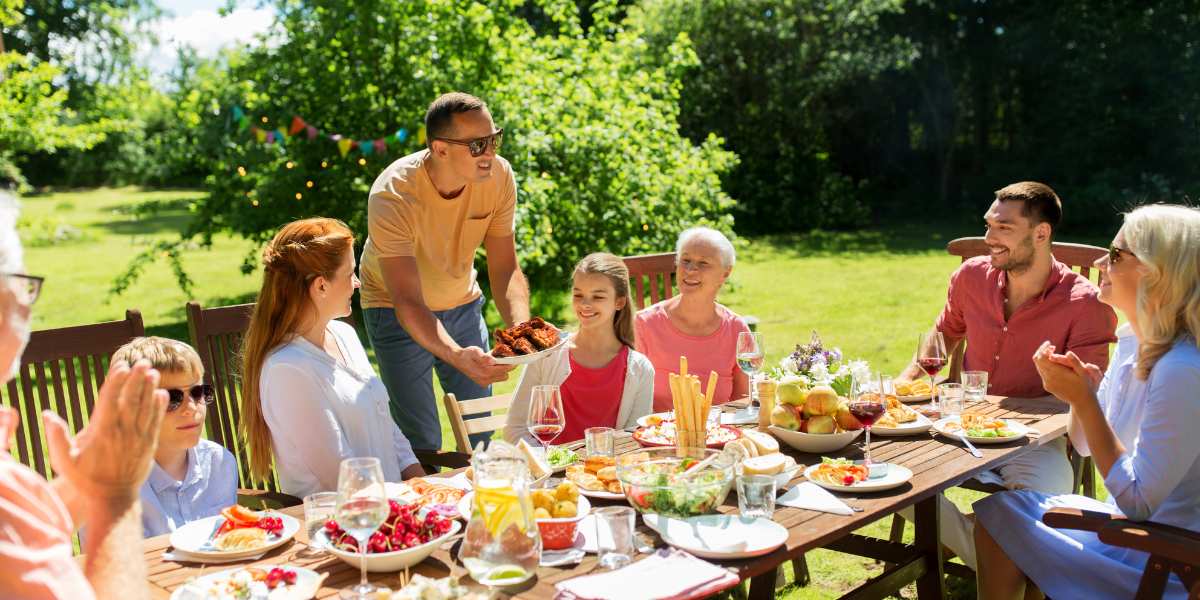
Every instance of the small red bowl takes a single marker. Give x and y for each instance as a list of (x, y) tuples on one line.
[(559, 534)]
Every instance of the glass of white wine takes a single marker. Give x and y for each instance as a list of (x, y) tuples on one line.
[(750, 360), (362, 507)]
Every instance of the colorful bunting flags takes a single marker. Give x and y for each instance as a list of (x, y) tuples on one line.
[(298, 124)]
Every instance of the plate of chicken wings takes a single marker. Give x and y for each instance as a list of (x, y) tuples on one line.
[(526, 342)]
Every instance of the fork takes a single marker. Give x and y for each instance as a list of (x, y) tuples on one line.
[(970, 447)]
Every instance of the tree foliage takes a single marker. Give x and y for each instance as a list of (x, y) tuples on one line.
[(591, 124)]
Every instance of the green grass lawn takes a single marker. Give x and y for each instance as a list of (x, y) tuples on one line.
[(869, 292)]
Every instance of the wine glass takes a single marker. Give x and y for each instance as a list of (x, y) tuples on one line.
[(931, 357), (362, 507), (750, 360), (868, 405), (546, 418)]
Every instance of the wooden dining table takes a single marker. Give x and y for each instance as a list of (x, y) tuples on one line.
[(937, 463)]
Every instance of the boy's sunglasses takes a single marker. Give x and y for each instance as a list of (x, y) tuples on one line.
[(478, 146), (202, 394), (1114, 253)]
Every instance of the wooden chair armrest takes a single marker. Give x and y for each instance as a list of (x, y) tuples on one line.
[(256, 498), (1075, 518), (1180, 545), (442, 458)]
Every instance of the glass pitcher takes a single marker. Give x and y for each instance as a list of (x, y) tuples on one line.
[(502, 545)]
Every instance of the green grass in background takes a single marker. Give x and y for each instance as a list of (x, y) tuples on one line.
[(869, 292)]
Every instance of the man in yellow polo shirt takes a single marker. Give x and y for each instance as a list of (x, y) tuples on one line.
[(427, 215)]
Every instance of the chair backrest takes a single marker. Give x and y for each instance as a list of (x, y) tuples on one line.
[(62, 370), (653, 274), (217, 335), (457, 411), (1079, 257)]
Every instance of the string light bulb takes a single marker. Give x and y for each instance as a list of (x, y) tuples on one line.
[(362, 161), (324, 164), (254, 202), (290, 164), (308, 184), (299, 195), (242, 171)]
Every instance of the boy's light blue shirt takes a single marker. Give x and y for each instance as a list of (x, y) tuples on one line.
[(210, 485)]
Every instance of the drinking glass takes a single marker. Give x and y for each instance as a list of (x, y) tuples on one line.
[(362, 507), (318, 508), (614, 536), (867, 406), (546, 417), (599, 441), (756, 496), (931, 357), (951, 395), (750, 360), (975, 385)]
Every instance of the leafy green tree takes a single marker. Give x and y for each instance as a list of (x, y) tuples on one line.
[(591, 124), (771, 79)]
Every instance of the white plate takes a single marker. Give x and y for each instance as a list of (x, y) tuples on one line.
[(896, 476), (601, 495), (921, 425), (915, 398), (192, 536), (524, 359), (1019, 431), (306, 586), (719, 536), (741, 416)]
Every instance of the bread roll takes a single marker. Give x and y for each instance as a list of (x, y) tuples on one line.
[(764, 443), (770, 464)]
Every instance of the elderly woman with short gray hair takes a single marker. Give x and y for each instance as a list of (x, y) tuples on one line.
[(693, 323)]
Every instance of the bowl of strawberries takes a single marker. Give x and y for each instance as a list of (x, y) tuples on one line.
[(408, 536)]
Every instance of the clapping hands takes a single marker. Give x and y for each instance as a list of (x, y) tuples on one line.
[(1065, 375)]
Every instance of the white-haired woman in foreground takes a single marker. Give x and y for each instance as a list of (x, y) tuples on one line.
[(692, 323), (1139, 423)]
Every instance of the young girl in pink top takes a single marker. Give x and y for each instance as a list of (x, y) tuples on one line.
[(693, 324), (604, 382)]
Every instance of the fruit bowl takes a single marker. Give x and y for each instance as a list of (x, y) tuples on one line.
[(654, 481), (396, 560), (559, 533), (815, 443)]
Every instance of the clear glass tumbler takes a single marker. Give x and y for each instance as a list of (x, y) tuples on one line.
[(975, 385), (614, 536), (951, 395), (756, 496)]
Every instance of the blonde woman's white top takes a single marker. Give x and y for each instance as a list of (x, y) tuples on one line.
[(321, 411), (637, 397)]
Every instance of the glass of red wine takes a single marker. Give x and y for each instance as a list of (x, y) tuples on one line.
[(867, 407), (931, 357), (546, 418)]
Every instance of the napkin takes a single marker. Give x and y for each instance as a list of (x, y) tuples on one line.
[(670, 574), (810, 496), (176, 555)]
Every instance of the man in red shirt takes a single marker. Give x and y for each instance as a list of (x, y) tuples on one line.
[(1004, 305)]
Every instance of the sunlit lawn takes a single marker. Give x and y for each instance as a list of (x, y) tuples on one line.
[(869, 292)]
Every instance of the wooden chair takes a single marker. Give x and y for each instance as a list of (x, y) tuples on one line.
[(1079, 257), (653, 273), (463, 428), (62, 370), (1171, 549)]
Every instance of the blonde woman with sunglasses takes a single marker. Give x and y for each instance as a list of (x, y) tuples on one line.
[(1139, 421)]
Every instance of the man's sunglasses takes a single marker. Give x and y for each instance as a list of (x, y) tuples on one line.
[(202, 394), (1114, 253), (478, 146)]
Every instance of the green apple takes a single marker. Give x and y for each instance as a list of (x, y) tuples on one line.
[(791, 391)]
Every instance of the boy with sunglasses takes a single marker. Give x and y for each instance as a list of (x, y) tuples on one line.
[(192, 478), (427, 215)]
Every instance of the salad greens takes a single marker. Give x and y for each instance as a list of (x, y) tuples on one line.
[(561, 457), (989, 433), (662, 488)]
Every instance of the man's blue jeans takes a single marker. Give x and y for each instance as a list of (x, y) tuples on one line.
[(406, 369)]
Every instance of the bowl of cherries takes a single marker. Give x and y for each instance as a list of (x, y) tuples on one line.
[(407, 537)]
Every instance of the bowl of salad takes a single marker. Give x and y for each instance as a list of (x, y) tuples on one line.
[(665, 481)]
